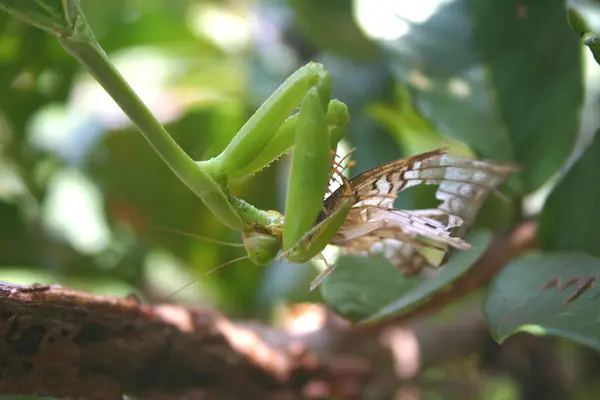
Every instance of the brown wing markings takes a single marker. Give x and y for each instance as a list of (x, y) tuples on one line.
[(392, 166), (372, 177)]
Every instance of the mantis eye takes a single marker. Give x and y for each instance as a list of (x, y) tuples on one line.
[(261, 247)]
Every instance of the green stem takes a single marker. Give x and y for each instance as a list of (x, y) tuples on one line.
[(91, 55)]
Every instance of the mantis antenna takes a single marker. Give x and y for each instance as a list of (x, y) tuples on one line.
[(206, 239), (199, 237), (205, 274)]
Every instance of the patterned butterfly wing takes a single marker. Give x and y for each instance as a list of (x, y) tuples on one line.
[(364, 232), (375, 226)]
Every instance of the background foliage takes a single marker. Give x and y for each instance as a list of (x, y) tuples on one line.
[(83, 197)]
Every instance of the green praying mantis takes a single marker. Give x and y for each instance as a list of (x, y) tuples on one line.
[(313, 133)]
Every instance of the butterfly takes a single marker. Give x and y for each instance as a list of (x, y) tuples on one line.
[(373, 225)]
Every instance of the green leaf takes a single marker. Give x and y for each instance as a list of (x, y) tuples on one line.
[(364, 289), (331, 26), (536, 293), (412, 132), (476, 69), (539, 106), (570, 219)]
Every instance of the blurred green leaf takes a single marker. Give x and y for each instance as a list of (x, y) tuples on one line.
[(537, 294), (365, 289), (539, 106), (476, 69), (32, 56), (438, 61), (570, 219), (332, 27), (118, 24), (497, 213), (410, 130)]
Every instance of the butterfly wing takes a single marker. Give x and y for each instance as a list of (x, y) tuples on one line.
[(374, 225)]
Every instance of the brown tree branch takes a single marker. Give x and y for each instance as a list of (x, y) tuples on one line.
[(65, 343), (62, 342)]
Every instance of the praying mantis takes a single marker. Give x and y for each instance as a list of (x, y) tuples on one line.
[(313, 133)]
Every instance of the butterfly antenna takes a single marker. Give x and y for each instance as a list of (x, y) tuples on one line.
[(339, 174), (347, 155), (341, 168), (199, 237), (351, 163), (205, 274), (337, 165)]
